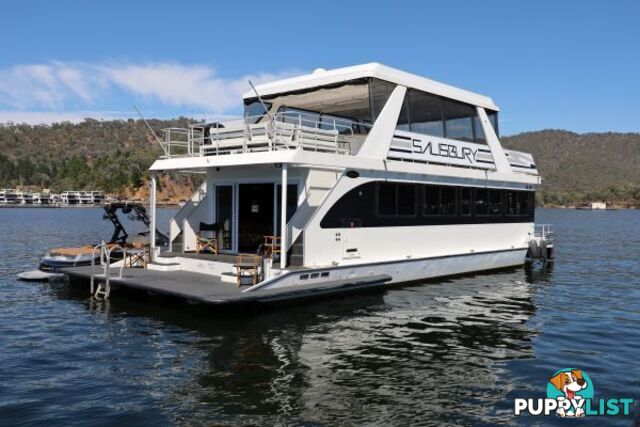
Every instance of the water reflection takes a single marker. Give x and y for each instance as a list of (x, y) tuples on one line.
[(414, 349)]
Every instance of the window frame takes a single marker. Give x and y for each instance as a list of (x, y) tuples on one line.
[(396, 213), (426, 187)]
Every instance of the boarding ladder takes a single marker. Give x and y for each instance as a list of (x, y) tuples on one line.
[(101, 274)]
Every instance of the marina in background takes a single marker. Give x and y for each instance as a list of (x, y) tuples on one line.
[(21, 198)]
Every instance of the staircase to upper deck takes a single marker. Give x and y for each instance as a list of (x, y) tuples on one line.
[(181, 227)]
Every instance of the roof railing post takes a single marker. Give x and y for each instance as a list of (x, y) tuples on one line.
[(283, 218)]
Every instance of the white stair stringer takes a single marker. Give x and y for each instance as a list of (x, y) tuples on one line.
[(176, 224)]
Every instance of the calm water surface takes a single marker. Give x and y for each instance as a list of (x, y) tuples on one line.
[(454, 351)]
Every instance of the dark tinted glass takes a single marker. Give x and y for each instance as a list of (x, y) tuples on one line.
[(493, 119), (379, 92), (426, 113), (495, 202), (517, 203), (478, 131), (482, 201), (387, 198), (458, 120), (406, 199), (403, 119), (255, 110), (431, 200), (362, 206), (448, 201), (465, 201)]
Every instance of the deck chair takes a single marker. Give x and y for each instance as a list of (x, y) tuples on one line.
[(247, 265), (271, 246), (206, 238)]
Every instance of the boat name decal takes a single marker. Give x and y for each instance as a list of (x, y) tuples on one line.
[(445, 150)]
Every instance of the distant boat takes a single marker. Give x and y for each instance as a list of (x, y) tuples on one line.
[(592, 206)]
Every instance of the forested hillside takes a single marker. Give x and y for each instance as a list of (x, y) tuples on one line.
[(578, 168), (108, 155), (114, 156)]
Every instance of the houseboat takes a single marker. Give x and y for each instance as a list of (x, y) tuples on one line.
[(354, 177), (91, 198), (26, 197), (9, 196), (43, 198), (70, 198)]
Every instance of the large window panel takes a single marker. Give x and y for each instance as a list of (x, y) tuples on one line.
[(478, 131), (466, 201), (448, 201), (517, 203), (495, 202), (406, 199), (384, 204), (493, 119), (426, 113), (439, 200), (379, 93), (431, 200), (459, 120), (396, 199), (403, 119), (255, 111), (386, 198), (481, 202)]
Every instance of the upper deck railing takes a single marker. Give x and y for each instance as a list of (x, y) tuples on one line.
[(283, 131), (290, 130)]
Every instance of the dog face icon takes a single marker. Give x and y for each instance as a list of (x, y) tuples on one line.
[(569, 383)]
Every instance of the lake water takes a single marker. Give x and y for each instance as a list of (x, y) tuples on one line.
[(451, 351)]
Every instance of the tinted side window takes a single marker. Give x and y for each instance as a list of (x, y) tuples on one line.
[(478, 131), (386, 198), (406, 199), (448, 200), (466, 202), (431, 204), (379, 92), (493, 119), (459, 120), (385, 204), (426, 113), (495, 202), (403, 119), (396, 199), (517, 203), (439, 200), (481, 202)]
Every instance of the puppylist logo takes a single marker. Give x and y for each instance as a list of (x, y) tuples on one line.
[(570, 394)]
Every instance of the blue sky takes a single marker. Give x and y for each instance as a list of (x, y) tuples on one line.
[(548, 64)]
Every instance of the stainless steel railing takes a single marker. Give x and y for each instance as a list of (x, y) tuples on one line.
[(286, 130)]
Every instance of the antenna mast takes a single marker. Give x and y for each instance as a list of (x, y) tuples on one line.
[(150, 129), (261, 101)]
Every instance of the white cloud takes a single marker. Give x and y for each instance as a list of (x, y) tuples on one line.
[(58, 85), (48, 117)]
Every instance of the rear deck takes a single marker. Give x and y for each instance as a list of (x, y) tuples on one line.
[(208, 289)]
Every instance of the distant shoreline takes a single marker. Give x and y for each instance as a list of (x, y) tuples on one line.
[(609, 208)]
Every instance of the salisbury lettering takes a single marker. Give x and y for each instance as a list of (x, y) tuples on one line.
[(440, 149)]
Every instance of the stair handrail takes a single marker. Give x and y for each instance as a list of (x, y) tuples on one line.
[(105, 264)]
